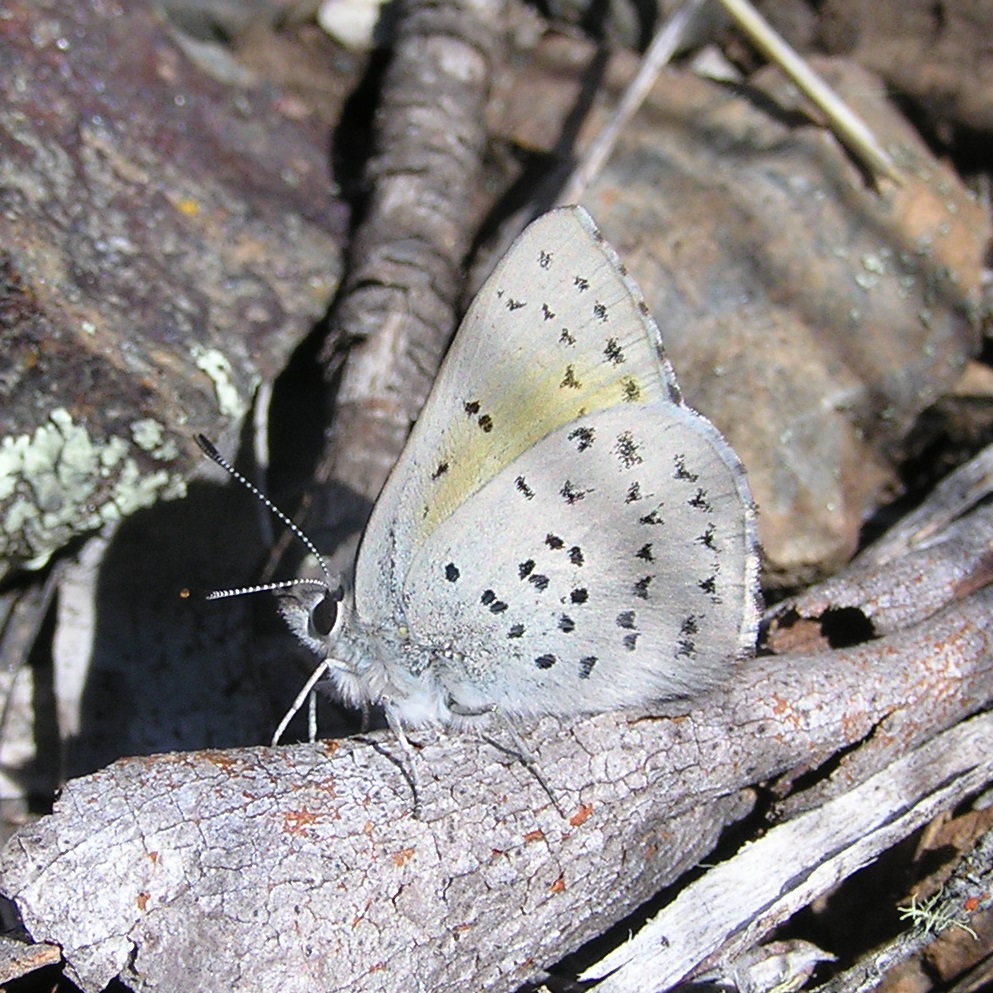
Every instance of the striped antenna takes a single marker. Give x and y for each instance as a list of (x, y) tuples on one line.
[(284, 584), (208, 449)]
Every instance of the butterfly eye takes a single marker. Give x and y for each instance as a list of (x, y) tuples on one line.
[(324, 616)]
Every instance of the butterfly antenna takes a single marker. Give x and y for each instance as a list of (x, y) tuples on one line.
[(283, 584), (208, 449)]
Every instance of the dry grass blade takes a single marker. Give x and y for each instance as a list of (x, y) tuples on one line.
[(851, 130)]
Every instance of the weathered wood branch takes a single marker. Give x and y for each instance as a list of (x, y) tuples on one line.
[(220, 870), (302, 867), (736, 903), (398, 304)]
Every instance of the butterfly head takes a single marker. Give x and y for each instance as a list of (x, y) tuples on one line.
[(315, 611), (321, 615)]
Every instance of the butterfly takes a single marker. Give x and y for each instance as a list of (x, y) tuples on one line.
[(562, 534)]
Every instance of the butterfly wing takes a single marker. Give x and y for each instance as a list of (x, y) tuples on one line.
[(557, 331), (611, 564)]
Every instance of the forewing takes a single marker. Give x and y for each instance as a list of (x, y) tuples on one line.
[(558, 331)]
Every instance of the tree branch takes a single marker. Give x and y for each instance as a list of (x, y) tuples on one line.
[(209, 867)]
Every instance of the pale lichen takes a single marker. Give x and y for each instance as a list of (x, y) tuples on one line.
[(58, 482), (216, 366), (150, 436)]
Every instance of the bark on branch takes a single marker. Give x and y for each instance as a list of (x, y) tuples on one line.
[(398, 303), (221, 870)]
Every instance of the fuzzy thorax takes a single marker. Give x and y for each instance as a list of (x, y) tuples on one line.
[(363, 663)]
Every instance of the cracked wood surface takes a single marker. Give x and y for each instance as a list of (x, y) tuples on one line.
[(223, 870), (797, 862)]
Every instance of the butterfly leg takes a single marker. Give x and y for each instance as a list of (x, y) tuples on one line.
[(520, 750), (312, 716), (308, 689), (409, 764), (366, 716)]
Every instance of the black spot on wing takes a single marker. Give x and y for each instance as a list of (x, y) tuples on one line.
[(625, 619), (653, 518), (627, 450), (707, 538), (583, 437), (686, 645), (700, 501), (681, 472), (613, 352), (472, 408), (572, 493), (489, 599)]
